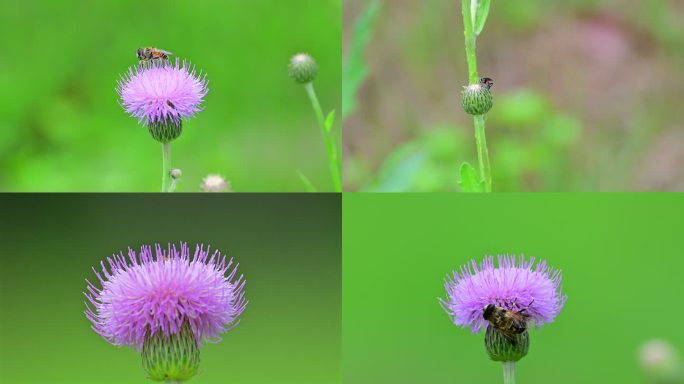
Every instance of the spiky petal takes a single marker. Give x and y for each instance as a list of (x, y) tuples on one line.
[(143, 295), (515, 284)]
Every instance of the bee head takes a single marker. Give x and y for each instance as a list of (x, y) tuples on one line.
[(487, 313), (140, 53)]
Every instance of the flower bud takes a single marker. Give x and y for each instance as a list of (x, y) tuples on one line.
[(660, 362), (175, 174), (501, 348), (303, 68), (476, 99), (174, 357), (166, 131), (215, 183)]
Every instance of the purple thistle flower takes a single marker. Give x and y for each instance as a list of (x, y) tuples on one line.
[(162, 94), (144, 295), (513, 285)]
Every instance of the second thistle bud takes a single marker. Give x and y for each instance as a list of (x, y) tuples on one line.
[(171, 358), (303, 68), (166, 131), (215, 183), (501, 348), (476, 99)]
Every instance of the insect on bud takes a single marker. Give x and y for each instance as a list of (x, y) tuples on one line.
[(501, 348), (303, 68), (476, 99), (165, 131), (174, 357)]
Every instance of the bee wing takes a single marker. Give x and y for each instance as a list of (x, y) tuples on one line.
[(165, 52)]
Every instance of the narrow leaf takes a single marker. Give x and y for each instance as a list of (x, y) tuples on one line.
[(355, 69), (470, 182), (330, 120), (307, 183), (399, 170), (481, 16)]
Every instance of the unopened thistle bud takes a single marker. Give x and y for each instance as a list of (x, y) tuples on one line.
[(502, 348), (303, 68), (215, 183), (174, 357), (660, 362), (175, 174), (476, 99)]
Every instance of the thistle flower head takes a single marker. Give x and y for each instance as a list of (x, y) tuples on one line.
[(303, 68), (146, 295), (515, 284), (161, 95)]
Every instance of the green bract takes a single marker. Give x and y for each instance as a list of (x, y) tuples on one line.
[(476, 99), (303, 68), (500, 348), (165, 132), (172, 358)]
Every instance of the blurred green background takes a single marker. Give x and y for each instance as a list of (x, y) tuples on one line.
[(61, 128), (288, 247), (587, 96), (620, 254)]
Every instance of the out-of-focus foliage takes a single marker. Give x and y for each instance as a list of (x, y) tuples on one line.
[(531, 149), (355, 68), (586, 97), (61, 128)]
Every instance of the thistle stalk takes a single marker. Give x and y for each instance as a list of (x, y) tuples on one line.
[(166, 166), (327, 137), (509, 372), (469, 7)]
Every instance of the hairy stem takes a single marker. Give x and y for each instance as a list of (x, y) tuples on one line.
[(473, 78), (166, 166), (327, 136), (509, 372)]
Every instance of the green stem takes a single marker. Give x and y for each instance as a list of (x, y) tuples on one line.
[(509, 372), (327, 136), (483, 152), (166, 166), (470, 42), (473, 78)]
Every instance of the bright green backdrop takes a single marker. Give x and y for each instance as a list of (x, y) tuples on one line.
[(288, 247), (61, 128), (621, 257)]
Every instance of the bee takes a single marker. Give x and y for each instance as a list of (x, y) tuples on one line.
[(509, 323), (150, 54), (487, 82)]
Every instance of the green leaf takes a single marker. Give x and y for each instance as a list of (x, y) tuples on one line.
[(355, 69), (481, 16), (400, 170), (330, 120), (307, 183), (470, 181)]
